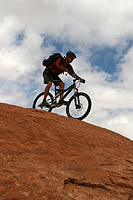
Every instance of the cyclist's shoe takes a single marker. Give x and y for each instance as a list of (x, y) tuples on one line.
[(44, 103)]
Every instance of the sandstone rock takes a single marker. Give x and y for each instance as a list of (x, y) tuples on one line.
[(45, 156)]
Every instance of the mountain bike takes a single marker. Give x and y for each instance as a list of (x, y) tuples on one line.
[(78, 106)]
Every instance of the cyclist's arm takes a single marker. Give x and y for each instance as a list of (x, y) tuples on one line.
[(74, 75), (72, 72)]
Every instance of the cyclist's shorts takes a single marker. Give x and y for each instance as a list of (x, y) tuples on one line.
[(51, 77)]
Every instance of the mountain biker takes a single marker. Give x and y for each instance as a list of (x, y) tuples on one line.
[(51, 75)]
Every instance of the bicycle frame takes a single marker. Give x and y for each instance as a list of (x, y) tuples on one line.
[(78, 105), (58, 92)]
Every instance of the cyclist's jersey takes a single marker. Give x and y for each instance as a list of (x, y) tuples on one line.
[(61, 66)]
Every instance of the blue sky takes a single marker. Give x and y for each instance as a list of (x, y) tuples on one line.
[(100, 32)]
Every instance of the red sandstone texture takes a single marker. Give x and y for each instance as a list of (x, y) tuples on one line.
[(45, 156)]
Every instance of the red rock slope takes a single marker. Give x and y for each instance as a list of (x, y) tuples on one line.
[(44, 156)]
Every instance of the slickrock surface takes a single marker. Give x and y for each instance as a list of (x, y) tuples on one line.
[(44, 156)]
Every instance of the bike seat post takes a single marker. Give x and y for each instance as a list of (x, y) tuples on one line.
[(55, 89)]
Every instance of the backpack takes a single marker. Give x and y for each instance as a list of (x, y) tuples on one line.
[(53, 58)]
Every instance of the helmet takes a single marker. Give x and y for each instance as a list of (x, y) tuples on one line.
[(71, 54)]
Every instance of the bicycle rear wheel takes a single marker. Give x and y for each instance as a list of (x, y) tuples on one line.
[(79, 106), (39, 100)]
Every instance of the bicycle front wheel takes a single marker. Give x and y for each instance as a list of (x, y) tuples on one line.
[(79, 106), (39, 100)]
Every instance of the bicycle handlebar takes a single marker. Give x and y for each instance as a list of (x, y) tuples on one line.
[(81, 80)]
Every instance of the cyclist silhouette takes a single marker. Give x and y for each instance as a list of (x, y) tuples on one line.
[(51, 75)]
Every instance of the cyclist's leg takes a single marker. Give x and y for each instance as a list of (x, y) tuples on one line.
[(46, 91), (50, 78), (47, 80), (57, 81), (61, 86)]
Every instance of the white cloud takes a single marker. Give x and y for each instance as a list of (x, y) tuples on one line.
[(12, 94), (103, 21), (27, 24), (126, 67)]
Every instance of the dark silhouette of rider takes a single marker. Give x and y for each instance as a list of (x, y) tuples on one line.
[(52, 75)]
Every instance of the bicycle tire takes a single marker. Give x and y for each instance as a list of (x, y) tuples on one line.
[(71, 109), (39, 99)]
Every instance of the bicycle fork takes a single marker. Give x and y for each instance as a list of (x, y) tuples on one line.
[(76, 99)]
